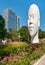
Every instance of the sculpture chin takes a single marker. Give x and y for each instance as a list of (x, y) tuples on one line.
[(33, 33)]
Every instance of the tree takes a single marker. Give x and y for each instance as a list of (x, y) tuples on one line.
[(8, 36), (24, 33), (13, 34), (3, 31), (41, 34)]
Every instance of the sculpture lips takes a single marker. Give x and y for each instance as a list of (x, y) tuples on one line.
[(31, 28)]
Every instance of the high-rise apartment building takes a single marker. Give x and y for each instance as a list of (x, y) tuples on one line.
[(11, 20), (17, 23)]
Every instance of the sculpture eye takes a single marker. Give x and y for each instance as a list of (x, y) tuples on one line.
[(33, 17), (30, 15)]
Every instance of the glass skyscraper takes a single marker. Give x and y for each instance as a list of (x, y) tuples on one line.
[(11, 20), (17, 23)]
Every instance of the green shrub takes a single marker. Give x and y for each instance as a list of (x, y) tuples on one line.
[(4, 53)]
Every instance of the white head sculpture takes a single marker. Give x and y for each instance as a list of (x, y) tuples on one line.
[(34, 22)]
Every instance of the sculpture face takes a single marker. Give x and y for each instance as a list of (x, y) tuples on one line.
[(33, 20)]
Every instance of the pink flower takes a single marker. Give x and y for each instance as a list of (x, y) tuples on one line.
[(22, 54), (26, 52), (15, 59), (9, 59), (2, 61), (10, 54), (5, 58), (22, 57)]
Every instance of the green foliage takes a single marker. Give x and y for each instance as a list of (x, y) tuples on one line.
[(4, 53), (36, 55), (8, 36), (3, 31), (41, 34), (24, 34), (15, 49), (26, 55), (13, 35)]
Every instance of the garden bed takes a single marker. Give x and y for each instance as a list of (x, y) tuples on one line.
[(21, 53)]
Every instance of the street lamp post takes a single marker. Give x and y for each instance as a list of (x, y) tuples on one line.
[(19, 36)]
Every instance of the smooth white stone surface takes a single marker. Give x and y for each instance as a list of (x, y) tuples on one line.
[(34, 22)]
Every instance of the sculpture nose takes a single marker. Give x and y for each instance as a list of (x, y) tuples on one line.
[(31, 21)]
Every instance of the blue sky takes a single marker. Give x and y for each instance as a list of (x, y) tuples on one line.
[(21, 8)]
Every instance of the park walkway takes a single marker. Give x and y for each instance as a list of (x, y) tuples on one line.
[(41, 61)]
